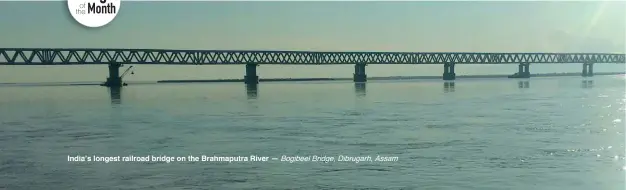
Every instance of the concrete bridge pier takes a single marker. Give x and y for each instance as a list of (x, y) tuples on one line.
[(587, 70), (359, 73), (448, 71), (523, 70), (251, 77), (114, 79)]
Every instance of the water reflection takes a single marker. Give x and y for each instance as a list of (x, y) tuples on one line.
[(116, 95), (359, 88), (252, 90), (587, 84), (448, 87), (523, 84)]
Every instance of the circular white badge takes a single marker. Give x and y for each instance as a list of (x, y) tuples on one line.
[(93, 13)]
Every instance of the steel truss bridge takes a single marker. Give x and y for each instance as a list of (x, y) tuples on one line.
[(42, 56), (115, 58)]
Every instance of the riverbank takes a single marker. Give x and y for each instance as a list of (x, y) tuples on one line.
[(301, 79), (385, 78)]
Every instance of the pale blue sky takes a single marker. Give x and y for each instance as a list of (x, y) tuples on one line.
[(328, 26), (386, 26)]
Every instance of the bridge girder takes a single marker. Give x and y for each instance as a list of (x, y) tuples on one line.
[(42, 56)]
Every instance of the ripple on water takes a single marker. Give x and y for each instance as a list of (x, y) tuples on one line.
[(442, 126), (522, 139), (408, 146)]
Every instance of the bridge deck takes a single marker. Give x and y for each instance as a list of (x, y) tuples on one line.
[(43, 56)]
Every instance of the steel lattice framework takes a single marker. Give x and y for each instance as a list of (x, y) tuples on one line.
[(39, 56)]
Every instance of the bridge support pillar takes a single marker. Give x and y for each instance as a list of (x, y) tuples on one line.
[(448, 71), (359, 73), (587, 70), (523, 71), (251, 77), (114, 79), (527, 70)]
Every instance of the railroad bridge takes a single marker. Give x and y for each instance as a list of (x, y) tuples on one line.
[(116, 58)]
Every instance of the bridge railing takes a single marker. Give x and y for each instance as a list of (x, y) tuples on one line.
[(24, 56)]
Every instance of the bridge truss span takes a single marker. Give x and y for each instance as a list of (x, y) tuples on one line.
[(41, 56)]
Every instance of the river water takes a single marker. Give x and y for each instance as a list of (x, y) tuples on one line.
[(539, 133)]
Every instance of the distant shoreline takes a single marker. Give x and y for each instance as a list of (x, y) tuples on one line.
[(381, 78), (301, 79)]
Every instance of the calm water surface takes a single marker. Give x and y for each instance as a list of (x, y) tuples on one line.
[(542, 133)]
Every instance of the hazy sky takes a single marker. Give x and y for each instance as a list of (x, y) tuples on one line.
[(385, 26), (545, 26)]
